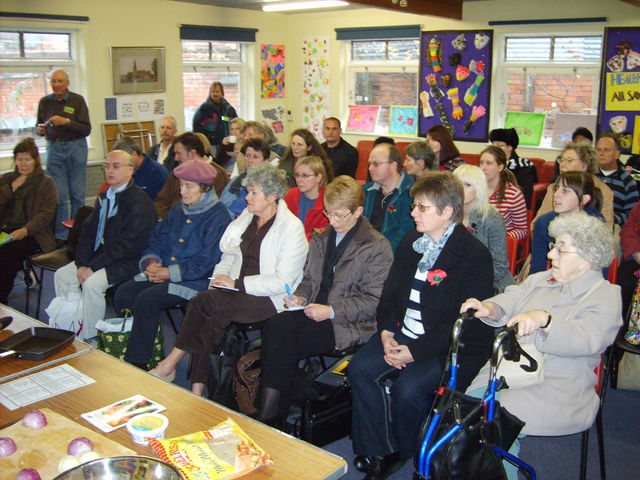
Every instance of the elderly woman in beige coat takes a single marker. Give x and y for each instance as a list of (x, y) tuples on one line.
[(572, 315), (335, 304)]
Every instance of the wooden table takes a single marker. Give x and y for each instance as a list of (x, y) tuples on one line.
[(11, 367), (187, 413)]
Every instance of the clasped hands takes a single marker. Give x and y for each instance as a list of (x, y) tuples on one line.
[(156, 273), (396, 355), (528, 322), (314, 311)]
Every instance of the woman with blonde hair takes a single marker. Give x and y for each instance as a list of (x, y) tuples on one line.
[(230, 147), (485, 222), (306, 200)]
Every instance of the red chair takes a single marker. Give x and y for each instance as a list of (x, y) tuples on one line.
[(613, 270), (512, 253)]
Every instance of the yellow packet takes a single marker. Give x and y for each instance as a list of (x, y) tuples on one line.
[(223, 452)]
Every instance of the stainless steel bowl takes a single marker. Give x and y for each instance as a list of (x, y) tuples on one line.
[(123, 468)]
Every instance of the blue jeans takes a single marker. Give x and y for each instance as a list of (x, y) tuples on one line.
[(382, 423), (67, 165)]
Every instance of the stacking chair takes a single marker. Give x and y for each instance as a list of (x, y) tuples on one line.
[(37, 265)]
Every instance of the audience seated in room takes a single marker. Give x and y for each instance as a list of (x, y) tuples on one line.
[(504, 192), (263, 250), (163, 152), (343, 277), (259, 130), (436, 267), (306, 200), (150, 176), (441, 142), (303, 144), (419, 159), (343, 156), (230, 147)]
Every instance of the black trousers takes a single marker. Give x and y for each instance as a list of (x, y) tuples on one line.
[(11, 256), (627, 281), (383, 424), (146, 300), (287, 338)]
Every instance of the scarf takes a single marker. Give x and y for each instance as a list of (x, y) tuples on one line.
[(17, 206), (429, 249), (207, 201)]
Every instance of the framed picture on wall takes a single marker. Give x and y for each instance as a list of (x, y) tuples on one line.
[(138, 70)]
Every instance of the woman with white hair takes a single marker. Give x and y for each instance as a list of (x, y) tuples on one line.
[(485, 222), (571, 314)]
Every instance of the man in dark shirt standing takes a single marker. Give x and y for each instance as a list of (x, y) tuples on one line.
[(63, 117), (341, 153)]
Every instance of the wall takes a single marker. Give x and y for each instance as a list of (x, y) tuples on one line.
[(157, 22)]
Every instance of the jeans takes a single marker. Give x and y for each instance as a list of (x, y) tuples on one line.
[(383, 424), (67, 165)]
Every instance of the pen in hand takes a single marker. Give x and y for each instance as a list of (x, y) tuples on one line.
[(286, 285)]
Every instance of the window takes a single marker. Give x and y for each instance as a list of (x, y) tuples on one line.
[(205, 62), (383, 72), (555, 75), (26, 59)]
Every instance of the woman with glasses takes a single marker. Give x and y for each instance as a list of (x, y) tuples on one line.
[(574, 192), (434, 269), (28, 202), (304, 144), (580, 157), (334, 306), (571, 314), (305, 200)]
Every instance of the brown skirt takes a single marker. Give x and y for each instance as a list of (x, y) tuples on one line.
[(208, 314)]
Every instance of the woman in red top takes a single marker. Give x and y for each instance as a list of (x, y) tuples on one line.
[(505, 194), (306, 200)]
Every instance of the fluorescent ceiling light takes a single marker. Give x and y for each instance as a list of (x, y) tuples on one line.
[(279, 7)]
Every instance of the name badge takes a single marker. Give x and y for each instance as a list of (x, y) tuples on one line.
[(225, 119), (69, 110)]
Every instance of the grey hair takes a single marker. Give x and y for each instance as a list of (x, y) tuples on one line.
[(272, 180), (127, 144), (473, 175), (591, 237), (586, 153)]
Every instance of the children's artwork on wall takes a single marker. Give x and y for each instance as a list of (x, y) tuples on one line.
[(274, 117), (363, 118), (272, 70), (455, 71), (528, 125), (620, 86), (403, 120), (315, 83)]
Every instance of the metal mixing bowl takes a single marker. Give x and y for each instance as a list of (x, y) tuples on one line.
[(123, 468)]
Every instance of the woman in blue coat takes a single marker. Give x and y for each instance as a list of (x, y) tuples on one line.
[(213, 116), (181, 253)]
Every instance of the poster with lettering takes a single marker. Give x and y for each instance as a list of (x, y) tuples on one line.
[(620, 86), (455, 82)]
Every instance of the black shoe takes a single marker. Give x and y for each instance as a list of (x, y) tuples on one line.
[(381, 468), (362, 462)]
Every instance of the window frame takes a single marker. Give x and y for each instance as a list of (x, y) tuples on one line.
[(352, 67), (503, 68)]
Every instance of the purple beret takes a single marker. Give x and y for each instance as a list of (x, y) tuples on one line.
[(197, 171)]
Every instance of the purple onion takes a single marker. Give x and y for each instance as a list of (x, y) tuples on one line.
[(79, 445), (35, 419), (28, 474), (7, 446)]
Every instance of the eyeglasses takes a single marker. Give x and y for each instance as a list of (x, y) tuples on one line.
[(421, 208), (376, 164), (553, 245), (303, 175), (337, 216), (114, 166)]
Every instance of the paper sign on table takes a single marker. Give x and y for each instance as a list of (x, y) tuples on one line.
[(117, 414)]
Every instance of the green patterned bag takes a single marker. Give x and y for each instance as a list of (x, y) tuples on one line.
[(115, 343)]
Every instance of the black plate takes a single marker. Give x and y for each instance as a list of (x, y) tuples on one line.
[(37, 343)]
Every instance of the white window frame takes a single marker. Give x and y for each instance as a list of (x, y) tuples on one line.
[(242, 67), (70, 65), (357, 66), (502, 69)]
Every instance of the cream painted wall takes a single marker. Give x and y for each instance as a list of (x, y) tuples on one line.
[(157, 22)]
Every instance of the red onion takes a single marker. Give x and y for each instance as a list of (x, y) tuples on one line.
[(28, 474), (79, 445), (35, 419), (7, 446)]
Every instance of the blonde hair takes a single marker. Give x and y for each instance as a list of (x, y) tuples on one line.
[(344, 191), (316, 165), (474, 176)]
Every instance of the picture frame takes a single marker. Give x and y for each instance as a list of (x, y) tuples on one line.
[(138, 70)]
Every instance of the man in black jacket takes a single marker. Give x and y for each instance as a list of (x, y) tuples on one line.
[(343, 155), (163, 152), (111, 241)]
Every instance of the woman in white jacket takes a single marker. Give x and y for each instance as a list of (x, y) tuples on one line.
[(262, 250)]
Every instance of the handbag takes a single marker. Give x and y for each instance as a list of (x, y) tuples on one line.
[(65, 313), (514, 366), (246, 381), (114, 333)]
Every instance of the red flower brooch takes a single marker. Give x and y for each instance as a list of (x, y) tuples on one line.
[(319, 230), (392, 208), (434, 277)]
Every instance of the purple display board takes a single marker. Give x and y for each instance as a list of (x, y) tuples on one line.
[(455, 81), (619, 107)]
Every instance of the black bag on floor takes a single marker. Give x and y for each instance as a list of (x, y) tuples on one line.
[(326, 417), (222, 365)]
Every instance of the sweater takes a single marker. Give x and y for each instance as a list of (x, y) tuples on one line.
[(315, 217), (513, 210), (625, 193)]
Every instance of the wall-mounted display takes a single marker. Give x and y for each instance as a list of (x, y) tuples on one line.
[(620, 86), (315, 83), (403, 120), (528, 125), (363, 118), (272, 71), (137, 70), (455, 81)]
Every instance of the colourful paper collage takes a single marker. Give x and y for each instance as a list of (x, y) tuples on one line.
[(274, 117), (528, 125), (315, 84), (403, 120), (363, 118), (272, 70), (620, 86)]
